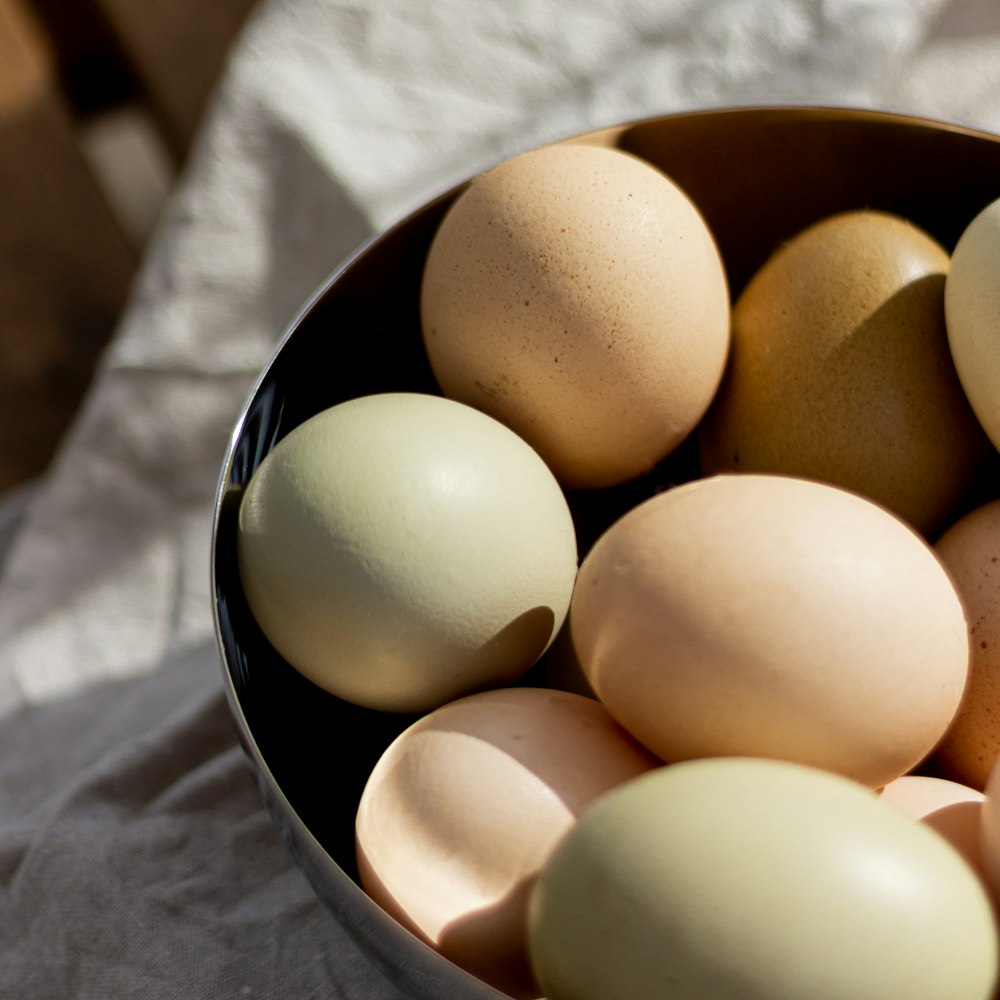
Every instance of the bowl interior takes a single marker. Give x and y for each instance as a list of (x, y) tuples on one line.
[(758, 176)]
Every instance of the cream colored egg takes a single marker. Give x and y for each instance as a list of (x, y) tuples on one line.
[(972, 314), (840, 371), (465, 807), (729, 879), (575, 293), (951, 809), (401, 549), (771, 616), (970, 549)]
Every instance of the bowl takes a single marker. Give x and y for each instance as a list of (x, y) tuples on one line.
[(758, 175)]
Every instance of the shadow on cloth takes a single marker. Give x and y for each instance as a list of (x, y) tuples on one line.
[(134, 850)]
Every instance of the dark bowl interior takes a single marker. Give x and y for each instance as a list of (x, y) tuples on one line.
[(758, 175)]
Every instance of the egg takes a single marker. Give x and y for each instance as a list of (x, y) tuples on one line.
[(575, 293), (463, 810), (401, 549), (736, 878), (840, 370), (972, 315), (970, 549), (952, 809), (763, 615)]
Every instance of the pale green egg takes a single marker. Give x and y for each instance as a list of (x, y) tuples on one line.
[(401, 549), (748, 879)]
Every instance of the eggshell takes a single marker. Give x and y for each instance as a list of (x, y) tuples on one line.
[(840, 370), (776, 617), (575, 293), (951, 809), (972, 315), (400, 550), (465, 807), (729, 879), (970, 549)]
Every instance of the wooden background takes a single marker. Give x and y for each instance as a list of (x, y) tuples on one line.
[(99, 102)]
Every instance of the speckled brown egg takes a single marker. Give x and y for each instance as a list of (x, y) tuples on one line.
[(970, 549), (575, 293), (840, 370)]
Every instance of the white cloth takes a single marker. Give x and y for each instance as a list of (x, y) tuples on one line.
[(135, 856)]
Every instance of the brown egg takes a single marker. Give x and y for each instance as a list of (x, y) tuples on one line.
[(952, 809), (840, 371), (970, 549), (767, 616), (464, 808), (575, 293)]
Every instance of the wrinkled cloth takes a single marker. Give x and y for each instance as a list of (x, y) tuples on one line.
[(136, 857)]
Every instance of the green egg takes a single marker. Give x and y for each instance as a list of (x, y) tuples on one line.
[(750, 879)]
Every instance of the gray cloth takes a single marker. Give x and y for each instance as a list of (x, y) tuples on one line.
[(136, 858)]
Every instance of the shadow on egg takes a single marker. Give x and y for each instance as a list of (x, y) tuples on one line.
[(490, 942), (522, 640), (959, 824), (471, 942), (909, 326)]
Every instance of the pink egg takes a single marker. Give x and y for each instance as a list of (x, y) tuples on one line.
[(464, 808), (953, 809)]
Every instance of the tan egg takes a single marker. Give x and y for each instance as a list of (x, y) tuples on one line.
[(464, 808), (576, 294), (970, 549), (768, 616), (952, 809), (840, 370), (972, 313)]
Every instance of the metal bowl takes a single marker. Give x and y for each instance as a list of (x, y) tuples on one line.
[(758, 175)]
